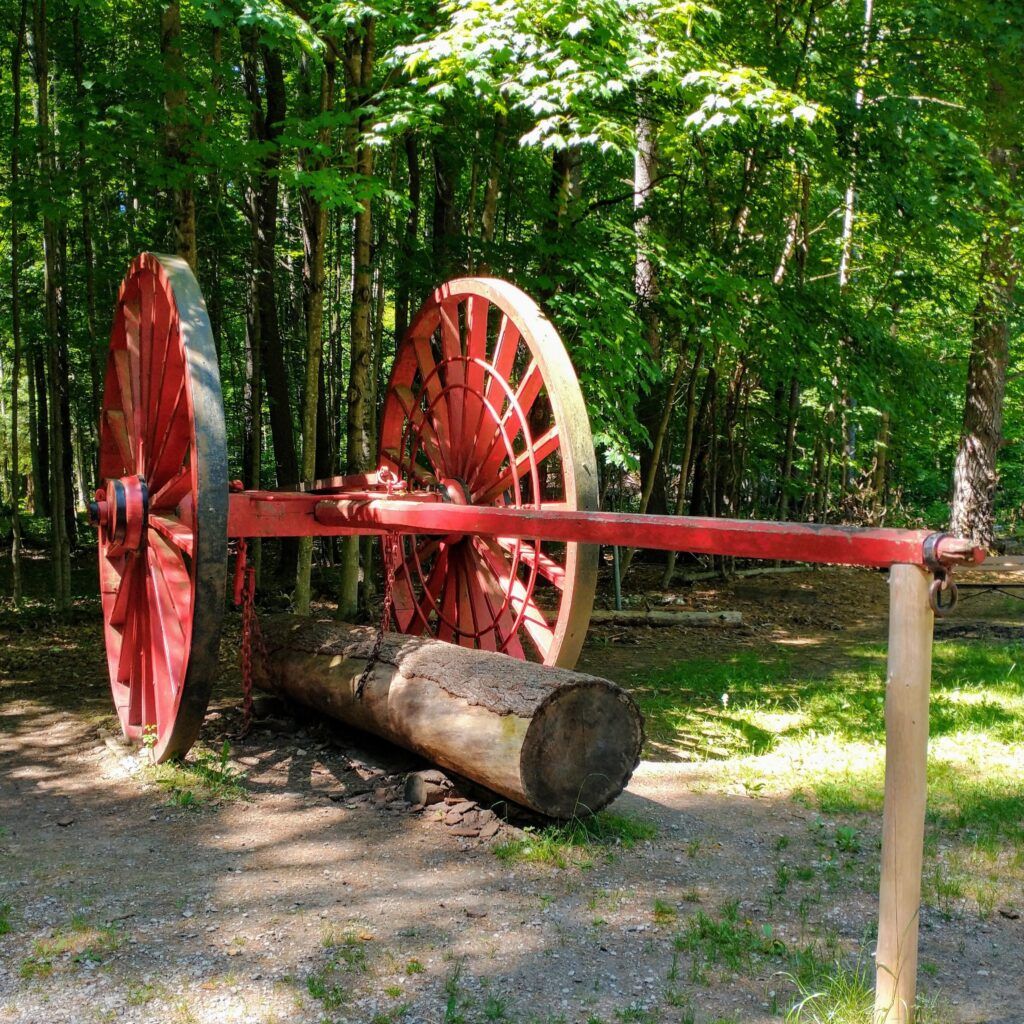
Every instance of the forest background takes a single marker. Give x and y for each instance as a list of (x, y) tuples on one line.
[(780, 240)]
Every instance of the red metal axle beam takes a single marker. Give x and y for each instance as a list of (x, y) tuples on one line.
[(277, 514)]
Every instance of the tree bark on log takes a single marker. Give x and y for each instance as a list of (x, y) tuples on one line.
[(560, 742)]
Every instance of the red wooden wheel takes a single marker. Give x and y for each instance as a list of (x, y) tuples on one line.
[(484, 404), (162, 506)]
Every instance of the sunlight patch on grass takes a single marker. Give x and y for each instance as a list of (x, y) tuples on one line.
[(202, 778), (577, 841), (815, 730)]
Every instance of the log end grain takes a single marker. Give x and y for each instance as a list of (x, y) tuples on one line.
[(581, 748)]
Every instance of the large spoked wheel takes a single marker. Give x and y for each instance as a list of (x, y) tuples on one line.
[(484, 404), (162, 506)]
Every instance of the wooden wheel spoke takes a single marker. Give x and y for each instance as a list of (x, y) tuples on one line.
[(525, 396), (424, 427), (434, 583), (160, 350), (171, 493), (449, 606), (433, 386), (468, 627), (118, 424), (168, 398), (547, 567), (543, 448), (421, 473), (405, 606), (145, 355), (477, 308), (498, 603), (173, 580), (523, 604), (454, 380), (484, 615), (132, 327), (169, 456), (502, 361), (128, 399), (124, 596), (167, 641), (136, 670), (174, 530)]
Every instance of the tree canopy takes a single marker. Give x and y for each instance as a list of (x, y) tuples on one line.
[(774, 237)]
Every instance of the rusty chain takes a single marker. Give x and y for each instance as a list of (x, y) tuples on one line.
[(252, 635), (391, 556)]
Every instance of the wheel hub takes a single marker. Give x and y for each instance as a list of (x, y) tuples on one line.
[(121, 511), (458, 494)]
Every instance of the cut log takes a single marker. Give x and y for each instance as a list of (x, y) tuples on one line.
[(560, 742), (663, 617)]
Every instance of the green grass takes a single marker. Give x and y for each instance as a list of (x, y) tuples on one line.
[(726, 941), (77, 942), (5, 918), (845, 995), (204, 778), (783, 723), (577, 841)]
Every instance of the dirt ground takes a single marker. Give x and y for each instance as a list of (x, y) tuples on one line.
[(125, 907)]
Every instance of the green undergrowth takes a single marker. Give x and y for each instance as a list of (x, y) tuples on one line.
[(577, 842), (204, 778), (812, 727)]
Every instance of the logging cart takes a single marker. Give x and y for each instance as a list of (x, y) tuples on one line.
[(486, 500)]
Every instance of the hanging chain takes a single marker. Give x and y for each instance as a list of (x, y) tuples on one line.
[(252, 635), (392, 553), (943, 584)]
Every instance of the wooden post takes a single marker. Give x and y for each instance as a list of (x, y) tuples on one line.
[(906, 755)]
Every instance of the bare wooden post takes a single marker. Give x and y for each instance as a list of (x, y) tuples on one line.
[(906, 755)]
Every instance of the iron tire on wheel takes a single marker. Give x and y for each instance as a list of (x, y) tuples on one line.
[(484, 405), (162, 507)]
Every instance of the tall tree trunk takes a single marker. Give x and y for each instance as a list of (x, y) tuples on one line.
[(652, 405), (360, 55), (849, 426), (881, 467), (314, 239), (52, 285), (687, 454), (176, 133), (90, 457), (39, 432), (489, 214), (789, 447), (267, 121), (445, 224), (19, 42), (975, 473), (403, 269)]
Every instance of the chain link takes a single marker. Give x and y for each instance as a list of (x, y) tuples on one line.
[(252, 635), (392, 553)]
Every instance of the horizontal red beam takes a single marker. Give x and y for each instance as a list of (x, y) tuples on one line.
[(269, 514)]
